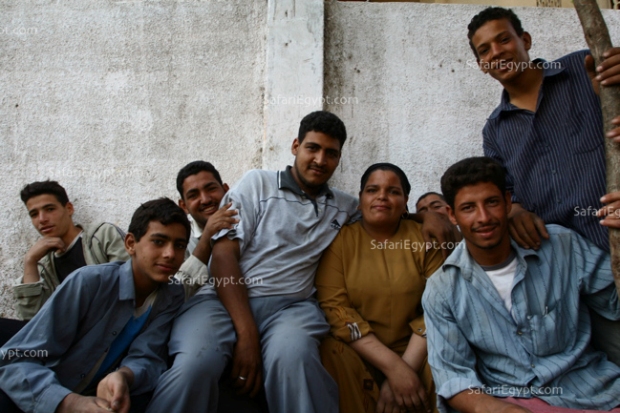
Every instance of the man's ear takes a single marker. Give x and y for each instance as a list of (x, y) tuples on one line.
[(69, 207), (451, 215), (508, 199), (130, 244), (226, 188), (183, 206), (295, 146), (527, 40)]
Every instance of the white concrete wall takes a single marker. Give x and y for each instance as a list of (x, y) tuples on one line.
[(413, 94), (111, 98)]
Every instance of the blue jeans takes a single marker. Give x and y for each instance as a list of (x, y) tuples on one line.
[(202, 342)]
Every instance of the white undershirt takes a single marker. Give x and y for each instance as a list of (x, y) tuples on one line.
[(502, 278)]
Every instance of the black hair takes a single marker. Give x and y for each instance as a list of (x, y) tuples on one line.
[(489, 14), (44, 188), (404, 182), (323, 122), (428, 194), (194, 168), (471, 171), (162, 210)]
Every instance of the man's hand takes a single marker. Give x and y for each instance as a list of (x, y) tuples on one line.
[(74, 403), (247, 370), (606, 74), (474, 400), (221, 219), (114, 388), (407, 389), (438, 226), (526, 228), (35, 253), (610, 213)]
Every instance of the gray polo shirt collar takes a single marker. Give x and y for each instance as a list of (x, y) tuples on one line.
[(286, 181)]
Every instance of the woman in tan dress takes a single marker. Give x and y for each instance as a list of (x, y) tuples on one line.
[(370, 283)]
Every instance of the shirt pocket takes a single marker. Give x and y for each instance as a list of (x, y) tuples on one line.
[(582, 136), (549, 333)]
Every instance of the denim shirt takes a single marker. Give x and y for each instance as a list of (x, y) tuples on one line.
[(57, 349), (541, 349)]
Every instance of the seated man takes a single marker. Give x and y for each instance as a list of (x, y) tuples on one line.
[(63, 248), (547, 132), (261, 309), (201, 189), (508, 328), (104, 331), (431, 201)]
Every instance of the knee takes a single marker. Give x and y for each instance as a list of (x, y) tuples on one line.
[(202, 365), (296, 349)]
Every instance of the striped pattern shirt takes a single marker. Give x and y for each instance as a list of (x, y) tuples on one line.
[(475, 344), (555, 157)]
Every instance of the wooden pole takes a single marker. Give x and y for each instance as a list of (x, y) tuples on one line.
[(597, 37)]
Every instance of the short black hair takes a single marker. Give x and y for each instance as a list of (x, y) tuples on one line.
[(489, 14), (471, 171), (404, 182), (194, 168), (162, 210), (323, 122), (428, 194), (44, 188)]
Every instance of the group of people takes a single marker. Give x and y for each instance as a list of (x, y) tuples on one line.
[(282, 294)]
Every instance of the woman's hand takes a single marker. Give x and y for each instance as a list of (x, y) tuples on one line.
[(407, 389)]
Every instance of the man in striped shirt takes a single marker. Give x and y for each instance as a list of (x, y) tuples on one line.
[(547, 132), (508, 328)]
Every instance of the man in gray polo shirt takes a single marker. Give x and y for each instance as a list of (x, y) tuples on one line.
[(259, 312)]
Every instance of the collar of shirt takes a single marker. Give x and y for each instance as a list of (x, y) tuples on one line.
[(286, 181), (505, 104), (196, 230), (461, 258)]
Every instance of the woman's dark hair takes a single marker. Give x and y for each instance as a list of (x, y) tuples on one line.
[(404, 182)]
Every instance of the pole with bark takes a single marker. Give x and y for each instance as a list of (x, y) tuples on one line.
[(597, 37)]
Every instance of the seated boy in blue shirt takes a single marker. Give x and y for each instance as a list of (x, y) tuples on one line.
[(102, 336)]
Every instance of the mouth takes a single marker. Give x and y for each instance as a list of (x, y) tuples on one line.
[(166, 268), (485, 231), (209, 209), (317, 171), (380, 207), (47, 229)]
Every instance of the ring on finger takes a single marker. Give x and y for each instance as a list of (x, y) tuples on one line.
[(242, 378)]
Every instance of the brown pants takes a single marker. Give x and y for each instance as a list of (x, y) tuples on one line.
[(359, 384)]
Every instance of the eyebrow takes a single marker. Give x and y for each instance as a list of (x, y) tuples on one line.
[(43, 207)]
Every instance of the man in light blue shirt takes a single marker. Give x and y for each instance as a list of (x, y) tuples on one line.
[(508, 328)]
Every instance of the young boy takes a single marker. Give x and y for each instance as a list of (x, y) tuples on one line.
[(63, 247), (102, 336)]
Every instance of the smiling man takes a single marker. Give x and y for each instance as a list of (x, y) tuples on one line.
[(260, 312), (63, 248), (201, 189), (508, 328), (99, 343), (547, 132)]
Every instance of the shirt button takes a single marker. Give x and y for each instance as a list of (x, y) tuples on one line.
[(113, 333), (553, 171), (519, 332), (82, 376), (533, 366)]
